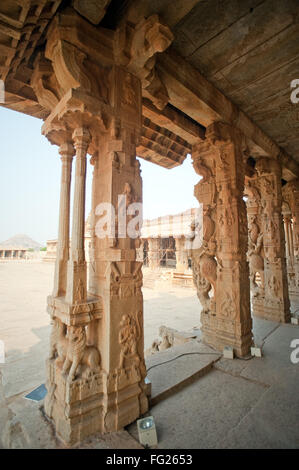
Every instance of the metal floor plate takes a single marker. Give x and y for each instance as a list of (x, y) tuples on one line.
[(37, 394)]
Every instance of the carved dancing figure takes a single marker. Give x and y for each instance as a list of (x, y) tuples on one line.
[(128, 336)]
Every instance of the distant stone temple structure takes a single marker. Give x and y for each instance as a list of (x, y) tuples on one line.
[(158, 80), (164, 242), (13, 252)]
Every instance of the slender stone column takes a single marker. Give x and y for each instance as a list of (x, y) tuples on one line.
[(286, 220), (94, 161), (154, 253), (291, 242), (77, 275), (221, 261), (62, 255), (291, 196), (181, 254), (276, 304), (288, 237)]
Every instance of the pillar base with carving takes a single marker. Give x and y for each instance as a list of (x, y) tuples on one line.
[(218, 333), (86, 400)]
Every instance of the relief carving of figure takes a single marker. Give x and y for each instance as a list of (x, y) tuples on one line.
[(58, 341), (274, 286), (129, 97), (80, 291), (226, 221), (202, 170), (204, 264), (256, 260), (129, 194), (79, 353), (128, 336), (228, 307)]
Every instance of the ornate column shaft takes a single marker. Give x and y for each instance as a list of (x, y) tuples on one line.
[(117, 198), (276, 304), (62, 255), (76, 283), (221, 260)]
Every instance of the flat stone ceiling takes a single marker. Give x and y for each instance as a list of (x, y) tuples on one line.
[(248, 49)]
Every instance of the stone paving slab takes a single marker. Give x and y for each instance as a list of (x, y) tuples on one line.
[(239, 404), (262, 328), (273, 422), (275, 365), (174, 368), (201, 415)]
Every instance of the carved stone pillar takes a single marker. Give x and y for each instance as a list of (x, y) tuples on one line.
[(276, 304), (220, 263), (154, 253), (290, 193), (90, 83), (62, 255), (118, 275), (181, 254)]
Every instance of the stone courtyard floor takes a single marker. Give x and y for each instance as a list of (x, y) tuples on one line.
[(209, 402)]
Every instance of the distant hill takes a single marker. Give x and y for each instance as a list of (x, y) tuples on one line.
[(21, 241)]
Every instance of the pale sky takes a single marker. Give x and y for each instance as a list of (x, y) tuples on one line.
[(30, 182)]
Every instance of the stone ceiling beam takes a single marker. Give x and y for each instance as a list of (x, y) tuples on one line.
[(93, 11), (174, 121), (193, 94), (169, 11)]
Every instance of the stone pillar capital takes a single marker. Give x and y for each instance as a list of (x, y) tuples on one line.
[(81, 137), (67, 151), (287, 218), (220, 133), (265, 165)]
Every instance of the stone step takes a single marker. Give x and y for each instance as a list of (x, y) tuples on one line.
[(171, 370)]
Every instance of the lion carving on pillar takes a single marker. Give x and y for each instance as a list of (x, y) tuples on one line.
[(79, 353)]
